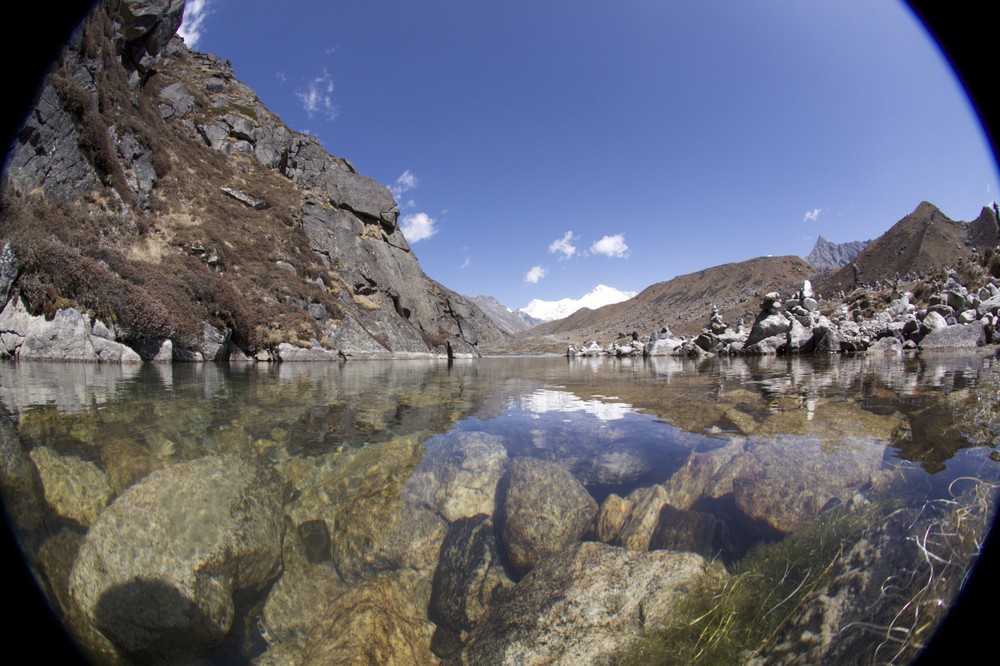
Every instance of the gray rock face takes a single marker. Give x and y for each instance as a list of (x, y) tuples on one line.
[(308, 165), (9, 267), (139, 172), (158, 569), (70, 336), (586, 605), (826, 255), (47, 153), (546, 509), (147, 26)]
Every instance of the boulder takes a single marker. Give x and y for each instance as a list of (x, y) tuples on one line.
[(587, 604), (545, 509), (157, 571), (960, 336), (611, 518), (768, 325)]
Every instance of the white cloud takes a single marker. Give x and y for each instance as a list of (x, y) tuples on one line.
[(318, 97), (466, 263), (406, 182), (192, 27), (535, 274), (280, 76), (563, 245), (611, 246), (811, 215), (417, 227)]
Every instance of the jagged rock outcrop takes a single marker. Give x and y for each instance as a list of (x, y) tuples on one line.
[(826, 255), (188, 175)]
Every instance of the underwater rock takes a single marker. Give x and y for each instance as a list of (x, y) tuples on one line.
[(380, 621), (687, 531), (298, 598), (887, 586), (790, 479), (585, 605), (546, 509), (74, 488), (20, 485), (458, 475), (471, 577), (158, 569)]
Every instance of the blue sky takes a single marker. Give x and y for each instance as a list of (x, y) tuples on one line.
[(540, 148)]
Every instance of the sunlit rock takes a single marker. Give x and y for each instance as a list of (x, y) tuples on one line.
[(611, 518), (642, 519), (157, 571), (960, 336), (545, 509), (585, 605)]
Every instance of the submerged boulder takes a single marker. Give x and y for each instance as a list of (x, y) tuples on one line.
[(585, 605), (157, 571), (546, 509)]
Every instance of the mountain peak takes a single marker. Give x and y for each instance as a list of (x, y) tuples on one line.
[(597, 297)]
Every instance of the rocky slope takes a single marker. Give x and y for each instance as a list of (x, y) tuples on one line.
[(511, 321), (917, 261), (684, 301), (919, 244), (156, 205)]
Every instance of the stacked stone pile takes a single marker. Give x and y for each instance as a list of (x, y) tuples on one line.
[(956, 318)]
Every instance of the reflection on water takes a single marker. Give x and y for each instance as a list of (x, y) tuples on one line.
[(420, 481)]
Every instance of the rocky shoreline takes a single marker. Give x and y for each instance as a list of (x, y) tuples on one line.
[(956, 317)]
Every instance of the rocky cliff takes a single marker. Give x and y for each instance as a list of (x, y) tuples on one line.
[(154, 208), (826, 255)]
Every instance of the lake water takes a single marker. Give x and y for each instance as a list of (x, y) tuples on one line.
[(367, 450)]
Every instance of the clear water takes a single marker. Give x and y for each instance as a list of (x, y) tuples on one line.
[(616, 425)]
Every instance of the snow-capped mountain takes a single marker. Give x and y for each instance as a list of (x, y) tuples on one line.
[(597, 297)]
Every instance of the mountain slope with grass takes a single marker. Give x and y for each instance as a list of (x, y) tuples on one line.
[(155, 198)]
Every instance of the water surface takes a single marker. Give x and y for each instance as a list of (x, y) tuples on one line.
[(810, 435)]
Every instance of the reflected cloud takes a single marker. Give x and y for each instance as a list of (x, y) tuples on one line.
[(544, 401)]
